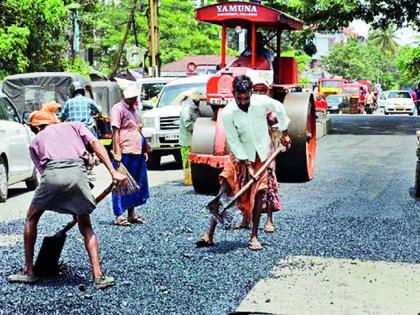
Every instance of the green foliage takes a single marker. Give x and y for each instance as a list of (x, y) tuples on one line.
[(385, 39), (333, 14), (356, 61), (180, 33), (408, 62), (32, 35), (77, 65), (13, 41)]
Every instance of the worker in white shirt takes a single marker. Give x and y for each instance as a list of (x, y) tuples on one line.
[(247, 133)]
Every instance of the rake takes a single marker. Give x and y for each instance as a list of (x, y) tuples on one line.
[(216, 207)]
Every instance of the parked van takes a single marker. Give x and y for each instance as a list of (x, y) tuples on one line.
[(161, 124)]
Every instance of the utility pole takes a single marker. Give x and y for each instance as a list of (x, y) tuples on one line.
[(120, 52), (154, 49), (75, 19)]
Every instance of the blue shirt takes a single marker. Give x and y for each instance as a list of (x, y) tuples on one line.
[(81, 108)]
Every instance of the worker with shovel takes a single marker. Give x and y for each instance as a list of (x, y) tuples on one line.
[(247, 133), (60, 151)]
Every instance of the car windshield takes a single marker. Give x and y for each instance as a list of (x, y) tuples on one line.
[(170, 92), (400, 94), (151, 90), (334, 98), (330, 83), (351, 90)]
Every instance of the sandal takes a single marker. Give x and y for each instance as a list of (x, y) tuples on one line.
[(121, 221), (203, 242), (137, 220), (103, 282), (269, 229), (21, 277), (255, 246), (241, 226)]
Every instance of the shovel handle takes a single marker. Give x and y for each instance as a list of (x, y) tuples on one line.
[(98, 199), (105, 193), (267, 162)]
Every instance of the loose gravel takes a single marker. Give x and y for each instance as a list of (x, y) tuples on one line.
[(357, 206)]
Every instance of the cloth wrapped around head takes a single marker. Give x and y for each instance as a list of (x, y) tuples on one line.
[(194, 94), (51, 107), (43, 117)]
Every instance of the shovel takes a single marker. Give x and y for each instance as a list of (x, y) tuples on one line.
[(46, 264), (216, 207)]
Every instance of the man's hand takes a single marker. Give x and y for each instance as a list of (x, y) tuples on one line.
[(251, 171), (118, 157), (249, 168), (285, 140), (120, 178), (146, 157)]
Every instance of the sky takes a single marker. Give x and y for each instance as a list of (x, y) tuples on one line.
[(405, 35)]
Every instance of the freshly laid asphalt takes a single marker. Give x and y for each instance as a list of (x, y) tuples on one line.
[(357, 206)]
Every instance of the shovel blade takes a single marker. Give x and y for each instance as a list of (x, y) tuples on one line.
[(46, 264)]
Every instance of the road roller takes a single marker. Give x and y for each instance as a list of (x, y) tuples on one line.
[(262, 60)]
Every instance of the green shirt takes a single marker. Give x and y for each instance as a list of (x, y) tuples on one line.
[(247, 132)]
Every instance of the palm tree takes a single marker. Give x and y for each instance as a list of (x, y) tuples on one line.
[(385, 39)]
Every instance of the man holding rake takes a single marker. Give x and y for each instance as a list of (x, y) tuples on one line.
[(247, 133)]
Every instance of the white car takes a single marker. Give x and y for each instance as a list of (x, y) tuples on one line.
[(15, 161), (396, 102), (150, 89), (161, 124)]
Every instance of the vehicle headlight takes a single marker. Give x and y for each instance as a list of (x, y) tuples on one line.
[(149, 122)]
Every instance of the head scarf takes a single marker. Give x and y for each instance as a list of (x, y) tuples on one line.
[(194, 94), (51, 107), (42, 117)]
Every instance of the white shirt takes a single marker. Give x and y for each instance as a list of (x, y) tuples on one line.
[(247, 133)]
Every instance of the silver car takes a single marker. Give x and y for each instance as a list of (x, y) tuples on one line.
[(15, 161)]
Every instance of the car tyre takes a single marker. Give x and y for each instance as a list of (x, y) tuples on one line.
[(3, 180), (33, 182)]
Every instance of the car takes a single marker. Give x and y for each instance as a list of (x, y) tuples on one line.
[(336, 103), (15, 161), (150, 89), (396, 102), (161, 124)]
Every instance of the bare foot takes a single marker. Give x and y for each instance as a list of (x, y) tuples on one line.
[(136, 220), (255, 245), (205, 241), (269, 228)]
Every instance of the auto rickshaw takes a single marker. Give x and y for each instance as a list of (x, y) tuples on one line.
[(29, 91)]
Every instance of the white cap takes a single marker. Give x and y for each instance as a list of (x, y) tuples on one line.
[(131, 91)]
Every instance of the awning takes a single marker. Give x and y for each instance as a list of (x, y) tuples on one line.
[(245, 13)]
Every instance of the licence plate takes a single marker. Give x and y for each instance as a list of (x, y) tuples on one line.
[(399, 107), (172, 137)]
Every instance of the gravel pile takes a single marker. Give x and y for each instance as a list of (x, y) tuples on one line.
[(356, 207)]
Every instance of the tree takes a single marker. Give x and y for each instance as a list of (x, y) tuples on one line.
[(356, 61), (408, 62), (329, 15), (385, 39), (32, 35)]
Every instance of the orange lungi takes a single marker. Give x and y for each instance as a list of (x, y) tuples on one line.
[(236, 175)]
